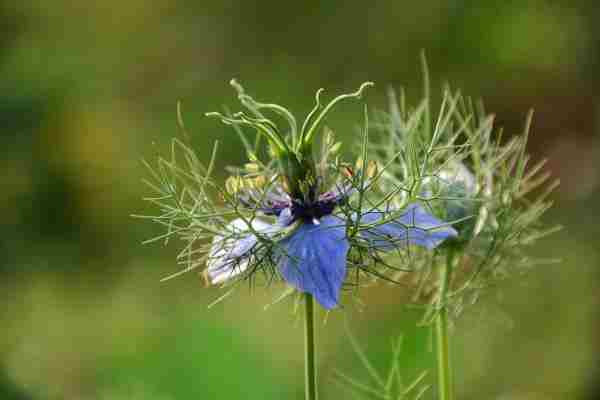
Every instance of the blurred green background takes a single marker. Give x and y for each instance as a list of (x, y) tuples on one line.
[(88, 89)]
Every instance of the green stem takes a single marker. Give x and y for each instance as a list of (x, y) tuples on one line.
[(310, 368), (441, 332)]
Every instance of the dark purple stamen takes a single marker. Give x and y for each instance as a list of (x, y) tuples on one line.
[(308, 212)]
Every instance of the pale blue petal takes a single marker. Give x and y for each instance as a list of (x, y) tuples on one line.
[(415, 226), (229, 252), (285, 217), (313, 259)]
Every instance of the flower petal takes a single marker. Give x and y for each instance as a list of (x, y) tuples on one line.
[(315, 259), (227, 257), (415, 226), (285, 217)]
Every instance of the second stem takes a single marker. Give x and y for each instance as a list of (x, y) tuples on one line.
[(441, 333)]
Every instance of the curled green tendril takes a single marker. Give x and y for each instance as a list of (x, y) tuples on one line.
[(309, 129), (311, 113), (262, 125), (256, 106)]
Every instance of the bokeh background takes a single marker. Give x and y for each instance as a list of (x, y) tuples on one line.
[(88, 89)]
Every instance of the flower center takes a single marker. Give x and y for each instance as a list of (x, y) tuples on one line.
[(309, 212)]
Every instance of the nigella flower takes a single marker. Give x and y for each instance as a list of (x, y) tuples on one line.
[(292, 211), (471, 175)]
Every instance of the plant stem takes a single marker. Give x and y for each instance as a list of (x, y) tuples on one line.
[(441, 331), (310, 368)]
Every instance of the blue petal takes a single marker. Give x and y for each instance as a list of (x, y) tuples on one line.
[(315, 259), (414, 226)]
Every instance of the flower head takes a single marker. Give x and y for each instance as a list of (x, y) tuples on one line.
[(470, 175), (297, 215)]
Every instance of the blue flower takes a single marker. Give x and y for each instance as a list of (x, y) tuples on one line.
[(311, 256)]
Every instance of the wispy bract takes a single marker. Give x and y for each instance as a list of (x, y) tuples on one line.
[(464, 170)]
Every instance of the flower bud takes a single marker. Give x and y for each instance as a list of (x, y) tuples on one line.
[(455, 187)]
